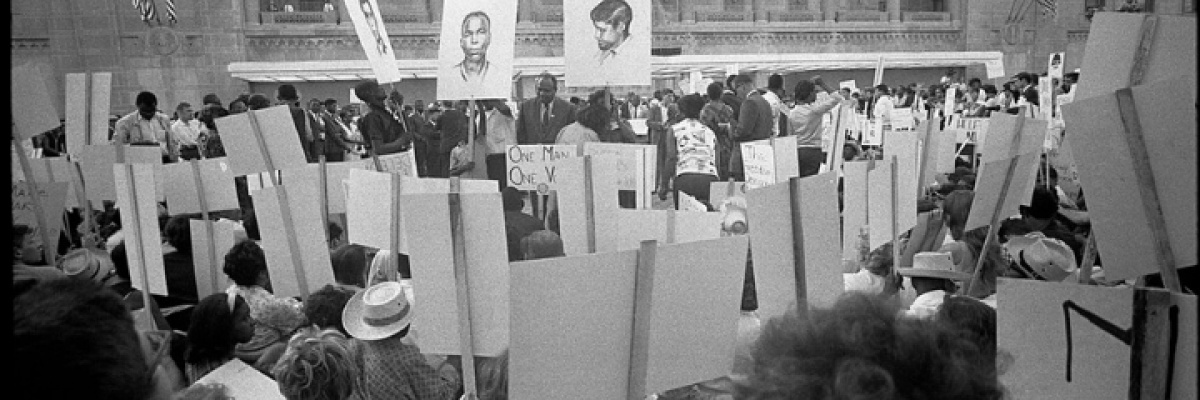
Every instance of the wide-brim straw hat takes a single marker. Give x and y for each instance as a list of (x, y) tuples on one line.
[(1050, 258), (932, 264), (378, 312)]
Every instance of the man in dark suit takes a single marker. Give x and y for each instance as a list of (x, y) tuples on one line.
[(333, 144), (543, 116), (287, 94), (453, 123), (661, 116), (731, 98), (755, 120)]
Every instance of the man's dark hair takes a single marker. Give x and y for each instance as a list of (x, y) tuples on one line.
[(396, 97), (594, 117), (973, 81), (287, 92), (883, 89), (775, 82), (244, 263), (715, 90), (258, 101), (549, 77), (477, 14), (803, 89), (146, 98), (364, 89), (989, 89), (330, 102), (742, 79), (691, 105), (80, 331), (179, 233), (324, 307), (575, 100), (350, 265), (613, 12), (120, 262), (211, 333), (729, 81), (211, 98), (512, 199)]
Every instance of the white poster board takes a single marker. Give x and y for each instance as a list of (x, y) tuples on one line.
[(770, 161), (368, 24), (475, 57), (636, 165), (607, 42), (532, 165)]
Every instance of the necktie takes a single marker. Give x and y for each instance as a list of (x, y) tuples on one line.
[(546, 115), (482, 124)]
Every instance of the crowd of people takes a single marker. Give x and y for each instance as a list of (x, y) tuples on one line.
[(908, 328)]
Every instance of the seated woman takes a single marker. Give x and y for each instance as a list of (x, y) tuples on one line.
[(275, 319), (219, 323), (887, 357)]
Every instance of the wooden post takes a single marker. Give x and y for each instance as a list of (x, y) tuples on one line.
[(798, 247), (639, 351), (49, 243), (93, 238), (895, 205), (208, 225), (466, 346), (1089, 259), (285, 211), (833, 161), (396, 225), (589, 204), (1010, 167), (136, 234)]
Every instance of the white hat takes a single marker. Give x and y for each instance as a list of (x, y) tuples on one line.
[(378, 312), (1049, 258), (932, 264)]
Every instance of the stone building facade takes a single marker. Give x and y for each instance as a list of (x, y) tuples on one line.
[(188, 59)]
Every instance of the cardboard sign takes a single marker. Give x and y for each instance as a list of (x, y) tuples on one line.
[(96, 163), (639, 127), (372, 34), (88, 100), (533, 165), (950, 101), (636, 166), (689, 203), (261, 140), (879, 204), (33, 110), (403, 163), (1045, 98), (717, 192), (773, 239), (850, 84), (294, 240), (183, 197), (664, 226), (1113, 46), (1076, 352), (988, 188), (139, 212), (968, 130), (872, 131), (52, 170), (210, 276), (51, 197), (583, 227), (1054, 67), (1120, 221), (557, 352), (770, 161), (854, 207), (243, 381), (995, 68), (902, 119), (370, 204), (304, 181), (428, 215)]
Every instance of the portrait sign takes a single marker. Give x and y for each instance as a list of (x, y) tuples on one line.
[(475, 57), (368, 23), (607, 42)]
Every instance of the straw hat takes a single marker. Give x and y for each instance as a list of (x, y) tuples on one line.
[(378, 312), (1049, 258), (89, 264), (932, 264)]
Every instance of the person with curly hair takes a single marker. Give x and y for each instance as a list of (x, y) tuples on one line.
[(219, 323), (319, 365), (324, 307), (275, 318), (861, 348)]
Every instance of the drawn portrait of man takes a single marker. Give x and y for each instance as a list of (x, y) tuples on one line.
[(611, 19), (475, 39), (373, 24)]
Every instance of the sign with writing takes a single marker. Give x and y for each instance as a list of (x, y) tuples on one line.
[(635, 167), (902, 119), (970, 130), (770, 161), (530, 165), (51, 197), (872, 132), (402, 163)]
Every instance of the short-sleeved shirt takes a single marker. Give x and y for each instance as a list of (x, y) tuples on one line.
[(379, 126), (807, 119)]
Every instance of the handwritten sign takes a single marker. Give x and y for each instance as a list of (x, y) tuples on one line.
[(402, 163), (635, 167), (872, 132), (52, 198), (770, 161), (902, 119), (531, 165), (971, 130)]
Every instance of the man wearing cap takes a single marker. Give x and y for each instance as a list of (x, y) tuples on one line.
[(933, 277), (393, 366)]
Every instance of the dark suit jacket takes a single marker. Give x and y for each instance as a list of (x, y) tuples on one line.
[(734, 102), (335, 144), (529, 122), (298, 118), (453, 124), (754, 119)]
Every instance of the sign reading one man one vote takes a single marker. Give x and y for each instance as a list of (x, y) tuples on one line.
[(532, 165)]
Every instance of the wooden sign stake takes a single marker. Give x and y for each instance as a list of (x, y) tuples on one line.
[(463, 297), (639, 351), (589, 205), (1010, 167), (49, 244), (798, 247), (136, 233), (92, 240), (895, 195), (834, 161), (208, 227), (285, 211), (1089, 259)]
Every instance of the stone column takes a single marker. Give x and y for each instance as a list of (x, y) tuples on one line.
[(343, 13), (760, 10), (435, 11), (954, 7), (829, 8), (525, 12), (687, 11), (252, 9), (893, 10)]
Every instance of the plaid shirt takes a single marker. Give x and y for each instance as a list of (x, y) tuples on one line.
[(394, 370)]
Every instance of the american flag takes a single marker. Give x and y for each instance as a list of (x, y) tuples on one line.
[(171, 11), (146, 9), (1049, 8)]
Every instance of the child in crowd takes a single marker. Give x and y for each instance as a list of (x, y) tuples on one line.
[(460, 159)]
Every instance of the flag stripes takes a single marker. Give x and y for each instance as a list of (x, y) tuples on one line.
[(1049, 7), (171, 11)]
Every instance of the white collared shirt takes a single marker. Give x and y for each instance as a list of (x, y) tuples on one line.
[(188, 133)]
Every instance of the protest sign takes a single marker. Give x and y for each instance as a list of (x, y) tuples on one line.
[(854, 211), (294, 240), (88, 97), (636, 165), (433, 271), (664, 226), (139, 208), (1008, 173), (96, 163), (50, 198), (52, 170), (402, 163), (1115, 46), (1117, 189), (872, 132), (677, 334), (371, 199), (689, 203), (769, 161), (183, 194), (719, 191), (584, 217), (902, 119), (372, 34), (243, 381), (1098, 343), (261, 141), (968, 130), (532, 165), (208, 252), (33, 110), (797, 259)]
